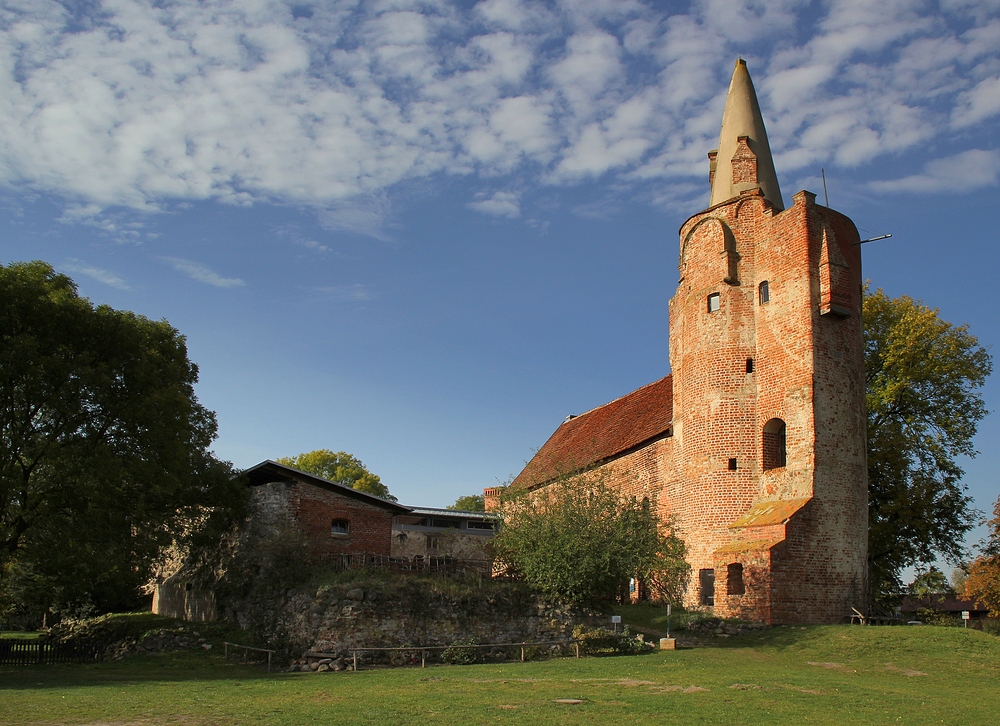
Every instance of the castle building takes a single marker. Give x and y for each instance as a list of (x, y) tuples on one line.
[(754, 446)]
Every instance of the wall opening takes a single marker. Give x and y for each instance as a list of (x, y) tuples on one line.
[(732, 465), (714, 302), (706, 579), (749, 365), (764, 293), (774, 444), (734, 580), (340, 527)]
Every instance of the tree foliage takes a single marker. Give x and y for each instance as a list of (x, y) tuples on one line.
[(923, 377), (578, 540), (469, 503), (104, 454), (983, 581), (339, 467)]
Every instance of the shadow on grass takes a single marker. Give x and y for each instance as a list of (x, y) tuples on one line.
[(159, 667)]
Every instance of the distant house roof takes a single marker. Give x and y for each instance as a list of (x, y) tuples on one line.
[(271, 471), (602, 434), (435, 512), (947, 604)]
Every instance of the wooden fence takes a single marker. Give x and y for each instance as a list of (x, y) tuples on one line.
[(39, 652)]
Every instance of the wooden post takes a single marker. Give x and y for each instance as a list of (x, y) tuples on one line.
[(577, 649), (423, 658), (522, 652), (225, 649), (268, 661), (355, 661)]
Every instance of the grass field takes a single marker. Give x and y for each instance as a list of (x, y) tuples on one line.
[(831, 674)]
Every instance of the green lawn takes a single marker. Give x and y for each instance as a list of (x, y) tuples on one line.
[(832, 674)]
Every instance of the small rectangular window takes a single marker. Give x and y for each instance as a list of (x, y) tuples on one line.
[(474, 524), (765, 293), (732, 465), (714, 302), (749, 365), (340, 527)]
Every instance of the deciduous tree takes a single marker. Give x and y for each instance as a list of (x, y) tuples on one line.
[(923, 378), (579, 539), (469, 503), (983, 581), (340, 467), (104, 452)]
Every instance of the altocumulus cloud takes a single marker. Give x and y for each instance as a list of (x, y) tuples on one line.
[(134, 104)]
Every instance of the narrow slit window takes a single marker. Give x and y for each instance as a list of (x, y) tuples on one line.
[(714, 302), (764, 292), (749, 365)]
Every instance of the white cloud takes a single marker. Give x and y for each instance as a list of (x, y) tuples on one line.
[(959, 173), (978, 103), (500, 204), (141, 105), (201, 273), (103, 276)]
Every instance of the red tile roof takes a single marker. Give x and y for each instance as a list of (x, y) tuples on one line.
[(602, 433)]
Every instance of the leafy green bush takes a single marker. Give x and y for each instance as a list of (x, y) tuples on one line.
[(579, 540), (459, 655), (603, 641)]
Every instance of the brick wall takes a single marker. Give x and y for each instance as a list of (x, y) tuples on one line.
[(313, 511)]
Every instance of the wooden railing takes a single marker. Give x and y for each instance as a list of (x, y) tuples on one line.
[(39, 652), (424, 649), (246, 652)]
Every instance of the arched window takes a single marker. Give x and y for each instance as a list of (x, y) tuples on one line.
[(340, 527), (764, 293), (774, 444), (734, 580), (714, 302)]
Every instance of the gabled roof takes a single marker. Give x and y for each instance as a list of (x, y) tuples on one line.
[(602, 433), (270, 471)]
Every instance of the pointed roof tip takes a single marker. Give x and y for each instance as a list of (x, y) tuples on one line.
[(742, 118)]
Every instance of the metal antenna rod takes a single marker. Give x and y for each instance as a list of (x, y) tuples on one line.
[(873, 239), (826, 197)]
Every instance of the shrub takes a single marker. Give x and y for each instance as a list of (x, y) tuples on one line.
[(579, 540)]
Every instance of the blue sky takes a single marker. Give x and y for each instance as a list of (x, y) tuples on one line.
[(425, 232)]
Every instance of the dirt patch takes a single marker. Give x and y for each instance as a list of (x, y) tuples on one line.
[(745, 687), (825, 665), (679, 689), (614, 681), (903, 671)]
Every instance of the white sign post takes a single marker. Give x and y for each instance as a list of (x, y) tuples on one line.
[(616, 620), (965, 618)]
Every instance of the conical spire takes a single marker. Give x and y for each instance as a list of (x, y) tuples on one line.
[(743, 160)]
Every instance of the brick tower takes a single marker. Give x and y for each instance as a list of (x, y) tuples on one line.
[(754, 446), (770, 484)]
